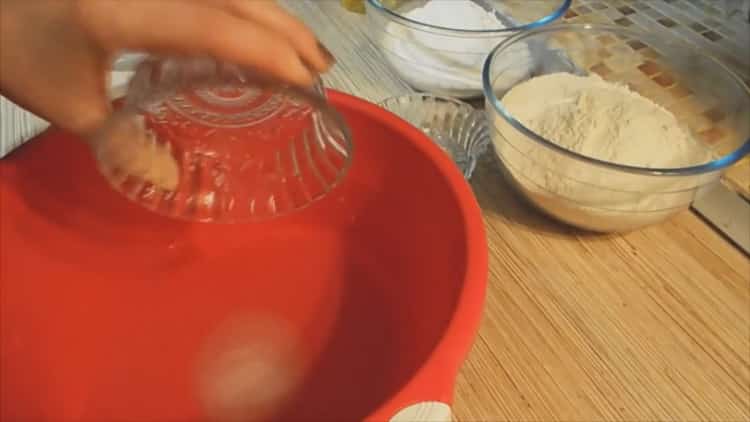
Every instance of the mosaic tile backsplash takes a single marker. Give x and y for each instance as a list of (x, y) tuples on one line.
[(720, 28)]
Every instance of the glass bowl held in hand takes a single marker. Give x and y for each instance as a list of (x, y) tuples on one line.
[(456, 127), (206, 141)]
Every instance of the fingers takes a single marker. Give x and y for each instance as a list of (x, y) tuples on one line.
[(49, 68), (272, 16), (130, 150), (194, 28)]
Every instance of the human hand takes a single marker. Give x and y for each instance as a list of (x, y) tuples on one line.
[(55, 54)]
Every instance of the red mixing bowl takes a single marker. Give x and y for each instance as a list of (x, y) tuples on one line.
[(354, 309)]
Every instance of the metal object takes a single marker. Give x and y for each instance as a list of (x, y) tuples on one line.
[(728, 212)]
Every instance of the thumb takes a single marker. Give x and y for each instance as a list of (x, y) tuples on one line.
[(87, 111)]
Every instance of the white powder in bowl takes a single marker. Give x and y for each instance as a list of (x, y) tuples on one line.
[(605, 121), (440, 63)]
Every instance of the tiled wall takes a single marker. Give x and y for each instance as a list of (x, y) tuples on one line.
[(719, 28)]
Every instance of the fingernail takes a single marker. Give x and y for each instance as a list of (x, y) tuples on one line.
[(330, 59), (314, 74)]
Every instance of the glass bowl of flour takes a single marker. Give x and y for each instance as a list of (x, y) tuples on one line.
[(611, 129), (439, 46)]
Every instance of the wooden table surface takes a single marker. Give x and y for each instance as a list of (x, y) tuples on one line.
[(652, 325)]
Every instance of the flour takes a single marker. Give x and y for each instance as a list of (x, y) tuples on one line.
[(607, 122), (446, 64), (455, 14)]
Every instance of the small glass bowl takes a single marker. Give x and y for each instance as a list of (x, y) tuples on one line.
[(456, 127), (199, 140), (448, 61), (707, 99)]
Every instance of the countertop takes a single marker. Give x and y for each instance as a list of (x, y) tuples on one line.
[(651, 325)]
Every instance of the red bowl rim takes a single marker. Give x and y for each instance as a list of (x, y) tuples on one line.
[(434, 380)]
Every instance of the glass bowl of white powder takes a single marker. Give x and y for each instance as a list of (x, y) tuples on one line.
[(439, 46), (612, 129)]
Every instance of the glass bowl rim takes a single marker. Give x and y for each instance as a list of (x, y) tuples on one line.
[(315, 95), (490, 97), (475, 150), (544, 20), (452, 100)]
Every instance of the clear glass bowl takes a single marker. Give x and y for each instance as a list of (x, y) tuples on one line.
[(708, 100), (457, 128), (444, 60), (199, 140)]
